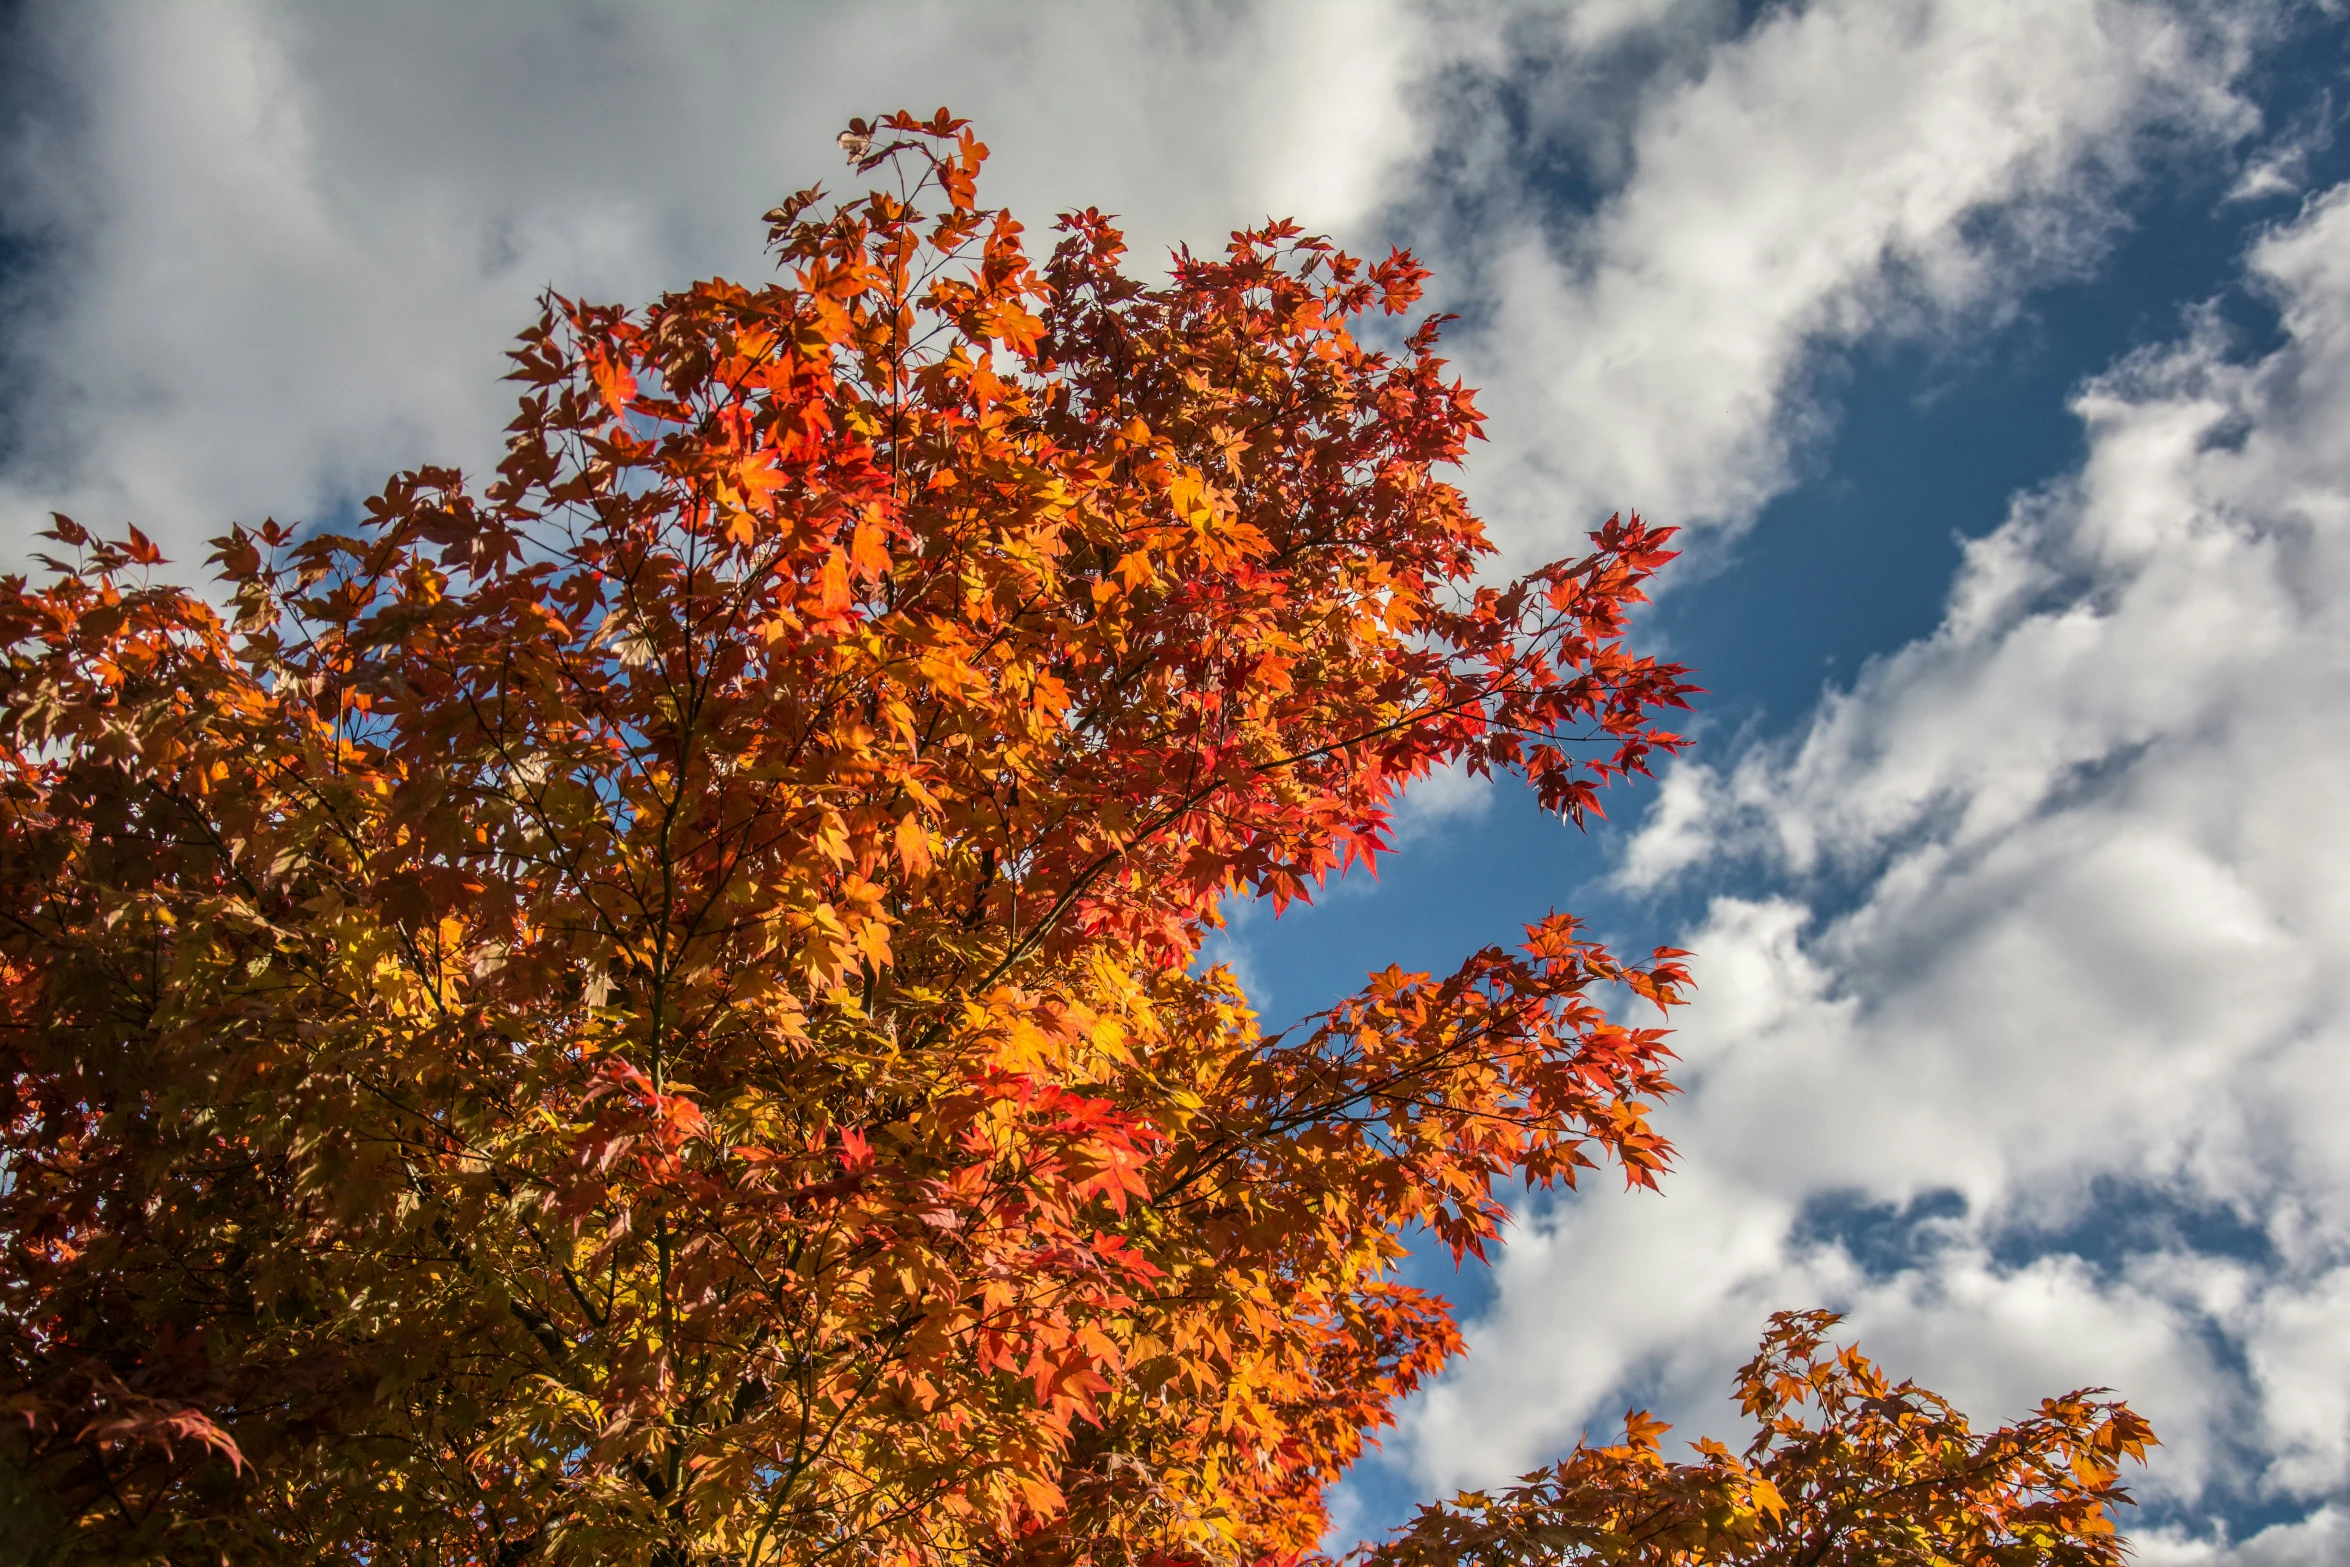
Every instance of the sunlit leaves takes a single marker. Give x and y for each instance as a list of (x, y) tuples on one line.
[(1848, 1469)]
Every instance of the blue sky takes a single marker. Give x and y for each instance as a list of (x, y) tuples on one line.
[(1994, 355)]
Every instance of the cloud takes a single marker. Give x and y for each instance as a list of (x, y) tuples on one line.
[(1841, 171), (275, 252), (2034, 1059), (2318, 1540), (2281, 167), (1449, 796)]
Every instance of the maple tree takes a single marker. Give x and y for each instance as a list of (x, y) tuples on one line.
[(650, 1010), (1881, 1473)]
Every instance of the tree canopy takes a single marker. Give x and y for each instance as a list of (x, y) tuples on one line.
[(650, 1009)]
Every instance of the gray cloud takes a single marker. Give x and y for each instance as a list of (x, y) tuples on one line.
[(280, 249)]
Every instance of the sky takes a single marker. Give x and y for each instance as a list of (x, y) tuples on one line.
[(1993, 355)]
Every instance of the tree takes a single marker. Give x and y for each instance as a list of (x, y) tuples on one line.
[(650, 1011), (1881, 1474)]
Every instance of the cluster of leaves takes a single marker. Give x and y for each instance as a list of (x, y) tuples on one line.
[(649, 1010), (1847, 1470)]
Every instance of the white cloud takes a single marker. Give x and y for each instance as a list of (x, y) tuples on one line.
[(2093, 981), (1448, 796), (1841, 170), (2281, 168), (2321, 1539)]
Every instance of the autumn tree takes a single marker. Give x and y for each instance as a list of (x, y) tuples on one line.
[(649, 1010), (1846, 1469)]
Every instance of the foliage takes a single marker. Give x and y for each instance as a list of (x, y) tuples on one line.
[(651, 1010), (1880, 1474)]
